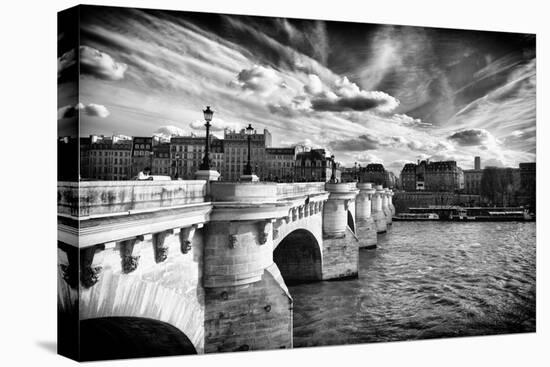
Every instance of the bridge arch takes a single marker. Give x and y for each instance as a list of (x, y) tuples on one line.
[(130, 337), (298, 257)]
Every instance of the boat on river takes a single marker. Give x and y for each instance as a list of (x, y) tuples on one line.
[(416, 216)]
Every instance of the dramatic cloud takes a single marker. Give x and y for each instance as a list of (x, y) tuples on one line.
[(314, 85), (166, 132), (471, 137), (65, 61), (409, 121), (395, 92), (259, 79), (171, 130), (217, 124), (347, 96), (362, 142), (100, 64), (366, 158), (91, 109)]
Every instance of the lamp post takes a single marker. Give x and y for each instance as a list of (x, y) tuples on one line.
[(333, 175), (359, 175), (355, 171), (249, 130), (208, 113)]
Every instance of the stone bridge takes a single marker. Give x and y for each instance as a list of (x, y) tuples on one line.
[(161, 268)]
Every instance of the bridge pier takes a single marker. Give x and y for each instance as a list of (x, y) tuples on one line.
[(386, 206), (340, 243), (247, 304), (377, 211), (390, 202), (365, 226)]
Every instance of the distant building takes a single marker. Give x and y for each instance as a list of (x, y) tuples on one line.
[(85, 144), (109, 158), (443, 176), (408, 177), (432, 176), (315, 165), (161, 164), (217, 155), (186, 155), (375, 173), (142, 154), (281, 163), (235, 147), (472, 181)]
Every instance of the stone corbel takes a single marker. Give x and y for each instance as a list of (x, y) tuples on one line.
[(161, 251), (301, 210), (294, 214), (90, 272), (233, 243), (186, 238), (263, 231), (68, 264), (129, 261)]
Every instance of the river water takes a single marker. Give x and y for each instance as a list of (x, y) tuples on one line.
[(426, 280)]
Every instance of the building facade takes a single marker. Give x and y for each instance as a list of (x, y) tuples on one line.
[(432, 176), (408, 177), (186, 155), (235, 146), (281, 163), (315, 165), (375, 173), (109, 158), (444, 176), (161, 164), (472, 181), (142, 154)]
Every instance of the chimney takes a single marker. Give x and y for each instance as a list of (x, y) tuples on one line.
[(477, 163)]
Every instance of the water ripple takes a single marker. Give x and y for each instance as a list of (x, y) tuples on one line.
[(426, 280)]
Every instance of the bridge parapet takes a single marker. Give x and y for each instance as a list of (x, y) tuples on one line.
[(294, 190), (103, 198)]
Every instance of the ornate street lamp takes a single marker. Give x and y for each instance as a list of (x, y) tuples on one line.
[(333, 175), (208, 113), (249, 131)]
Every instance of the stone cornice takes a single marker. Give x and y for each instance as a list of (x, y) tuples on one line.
[(85, 233)]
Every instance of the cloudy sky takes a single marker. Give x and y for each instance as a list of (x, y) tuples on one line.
[(368, 93)]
